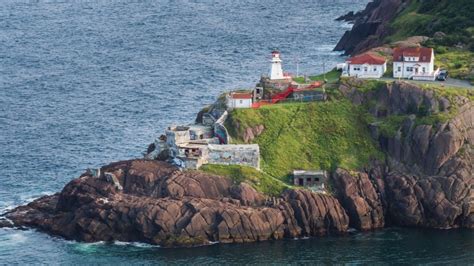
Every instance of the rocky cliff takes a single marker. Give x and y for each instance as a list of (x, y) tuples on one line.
[(370, 27), (159, 204), (428, 178)]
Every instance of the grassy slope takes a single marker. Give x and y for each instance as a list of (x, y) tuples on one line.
[(389, 125), (460, 63), (321, 135), (259, 180), (331, 77), (455, 19)]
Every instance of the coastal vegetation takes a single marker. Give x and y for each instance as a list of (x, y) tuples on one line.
[(317, 135), (450, 23), (331, 77), (455, 19), (259, 180), (389, 125), (459, 62), (321, 135)]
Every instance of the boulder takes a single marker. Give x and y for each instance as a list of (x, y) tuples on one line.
[(161, 205)]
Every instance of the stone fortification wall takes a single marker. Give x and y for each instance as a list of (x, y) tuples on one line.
[(246, 155)]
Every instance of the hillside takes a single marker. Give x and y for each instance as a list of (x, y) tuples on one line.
[(448, 24), (454, 19), (422, 137), (336, 133), (307, 136)]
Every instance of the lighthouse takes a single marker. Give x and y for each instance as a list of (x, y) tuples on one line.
[(276, 70)]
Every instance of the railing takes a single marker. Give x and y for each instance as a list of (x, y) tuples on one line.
[(309, 98)]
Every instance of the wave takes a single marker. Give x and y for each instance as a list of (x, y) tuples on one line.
[(24, 199)]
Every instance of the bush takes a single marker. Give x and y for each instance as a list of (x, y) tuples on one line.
[(440, 50)]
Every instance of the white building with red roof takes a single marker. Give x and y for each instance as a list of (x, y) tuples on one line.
[(365, 66), (414, 63), (239, 100)]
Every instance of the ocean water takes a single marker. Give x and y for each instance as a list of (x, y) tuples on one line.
[(84, 83)]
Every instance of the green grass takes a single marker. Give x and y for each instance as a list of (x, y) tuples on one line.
[(319, 135), (449, 93), (389, 126), (262, 182), (454, 18), (408, 23), (426, 17), (460, 63), (389, 72), (299, 80), (331, 77)]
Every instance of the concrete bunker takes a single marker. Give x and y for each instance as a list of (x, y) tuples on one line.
[(313, 179)]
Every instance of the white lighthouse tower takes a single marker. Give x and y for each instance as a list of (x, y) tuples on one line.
[(276, 70)]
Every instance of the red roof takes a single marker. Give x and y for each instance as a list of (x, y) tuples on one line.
[(241, 95), (423, 53), (367, 59)]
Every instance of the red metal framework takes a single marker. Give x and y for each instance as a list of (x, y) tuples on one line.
[(284, 94)]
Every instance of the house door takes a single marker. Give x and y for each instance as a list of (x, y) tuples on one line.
[(416, 70), (300, 182)]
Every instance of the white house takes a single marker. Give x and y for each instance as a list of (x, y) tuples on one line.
[(239, 100), (414, 63), (365, 66)]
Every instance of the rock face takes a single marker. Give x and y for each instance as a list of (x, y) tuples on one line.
[(162, 205), (360, 198), (429, 175), (370, 26), (427, 180)]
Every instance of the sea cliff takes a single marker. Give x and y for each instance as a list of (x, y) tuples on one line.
[(425, 180)]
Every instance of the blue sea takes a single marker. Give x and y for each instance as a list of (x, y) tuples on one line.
[(84, 83)]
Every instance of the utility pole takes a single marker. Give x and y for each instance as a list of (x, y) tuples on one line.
[(297, 67), (324, 69)]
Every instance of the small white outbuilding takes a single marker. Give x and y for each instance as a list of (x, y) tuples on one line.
[(239, 100), (365, 66)]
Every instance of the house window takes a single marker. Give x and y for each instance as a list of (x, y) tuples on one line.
[(399, 69), (240, 101), (365, 69), (424, 70), (375, 69), (410, 69)]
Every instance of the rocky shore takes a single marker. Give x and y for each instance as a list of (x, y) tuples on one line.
[(371, 26), (426, 181), (160, 204)]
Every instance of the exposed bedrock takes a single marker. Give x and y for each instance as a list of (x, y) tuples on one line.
[(371, 26), (162, 205), (361, 198), (423, 148), (429, 175)]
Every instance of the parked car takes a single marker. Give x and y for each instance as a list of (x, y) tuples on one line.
[(442, 75)]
